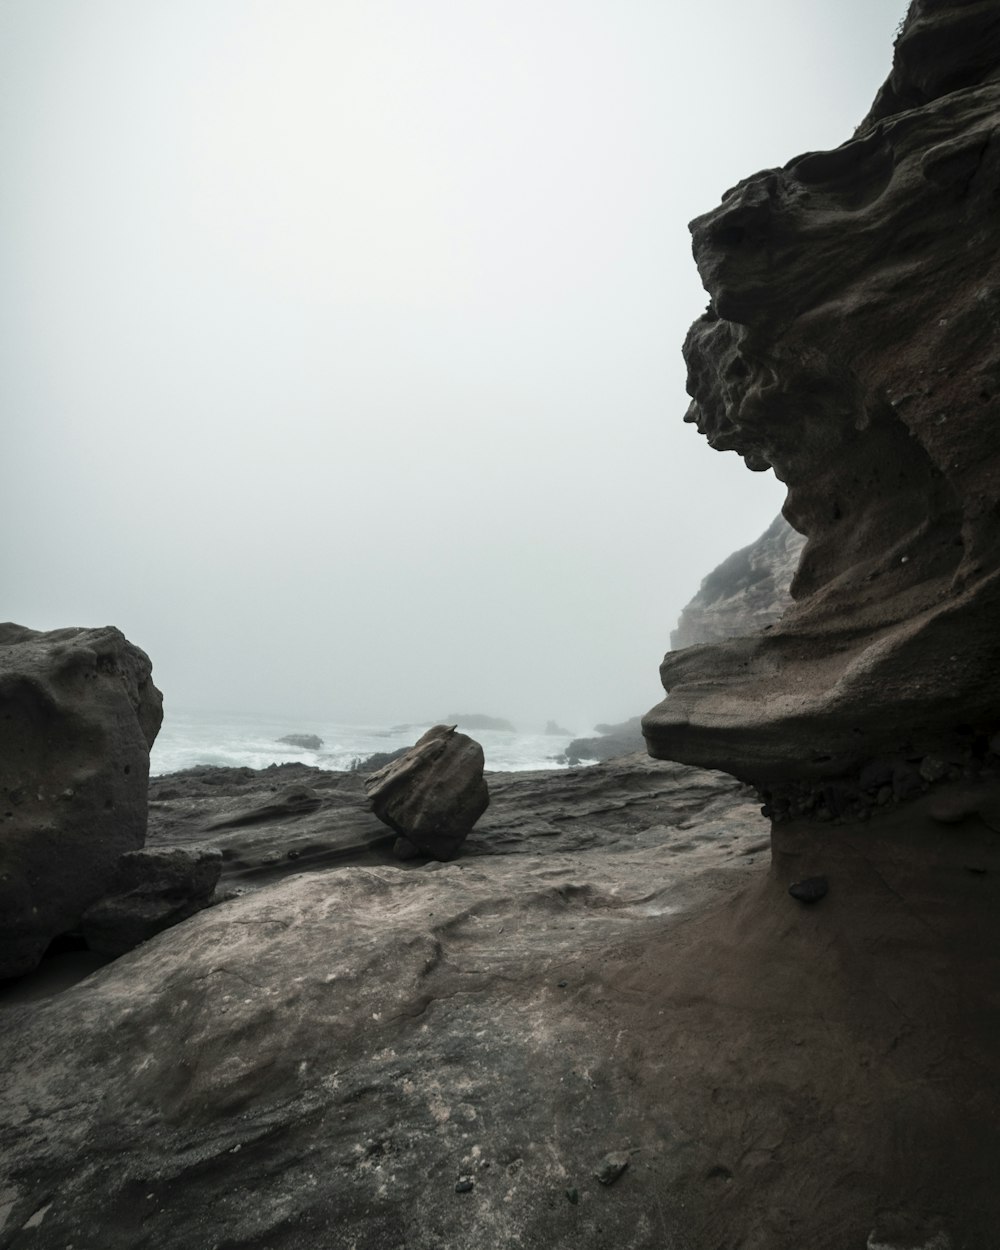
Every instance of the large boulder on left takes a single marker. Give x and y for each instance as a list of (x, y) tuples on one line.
[(435, 793), (78, 714)]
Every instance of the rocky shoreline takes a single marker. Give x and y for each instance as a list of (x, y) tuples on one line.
[(632, 1009)]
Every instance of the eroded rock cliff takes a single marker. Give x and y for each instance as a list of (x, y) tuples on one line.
[(748, 592), (852, 344)]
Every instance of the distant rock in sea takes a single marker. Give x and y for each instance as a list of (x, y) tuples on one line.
[(308, 742), (551, 727), (614, 742)]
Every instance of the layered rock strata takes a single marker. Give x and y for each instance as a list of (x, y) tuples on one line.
[(78, 714), (852, 343)]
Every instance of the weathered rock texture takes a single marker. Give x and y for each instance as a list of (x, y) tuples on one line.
[(853, 343), (151, 890), (433, 794), (747, 593), (612, 970), (78, 714)]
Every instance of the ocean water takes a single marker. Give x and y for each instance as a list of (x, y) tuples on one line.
[(240, 740)]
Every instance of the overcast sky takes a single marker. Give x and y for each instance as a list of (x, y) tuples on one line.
[(340, 339)]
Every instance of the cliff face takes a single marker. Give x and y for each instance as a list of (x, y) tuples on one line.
[(852, 343), (748, 592)]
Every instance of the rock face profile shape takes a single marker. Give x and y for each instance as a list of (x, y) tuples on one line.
[(78, 714), (852, 343), (746, 593), (433, 794)]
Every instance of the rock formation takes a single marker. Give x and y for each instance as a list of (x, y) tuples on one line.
[(852, 343), (614, 742), (78, 714), (747, 593), (435, 793), (308, 742), (151, 890), (330, 1058)]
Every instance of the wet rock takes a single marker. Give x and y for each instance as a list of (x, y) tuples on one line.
[(435, 793), (78, 714), (152, 889)]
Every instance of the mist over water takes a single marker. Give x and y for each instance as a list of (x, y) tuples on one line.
[(340, 359)]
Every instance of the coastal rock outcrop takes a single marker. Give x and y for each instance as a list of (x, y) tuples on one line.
[(435, 793), (852, 343), (748, 592), (380, 1055), (78, 714)]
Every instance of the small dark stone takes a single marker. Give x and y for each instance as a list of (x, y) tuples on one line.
[(611, 1167), (810, 889), (464, 1185), (573, 1195), (563, 984)]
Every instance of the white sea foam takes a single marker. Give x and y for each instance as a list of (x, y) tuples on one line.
[(251, 741)]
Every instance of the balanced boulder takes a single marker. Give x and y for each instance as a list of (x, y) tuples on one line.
[(78, 714), (433, 794)]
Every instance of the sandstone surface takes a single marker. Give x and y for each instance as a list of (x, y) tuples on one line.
[(78, 714), (852, 344), (151, 890), (375, 1056), (435, 793)]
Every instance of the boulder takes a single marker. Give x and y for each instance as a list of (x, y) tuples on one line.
[(851, 344), (433, 794), (78, 714), (152, 889), (308, 742)]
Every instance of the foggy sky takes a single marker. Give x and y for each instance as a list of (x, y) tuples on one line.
[(340, 355)]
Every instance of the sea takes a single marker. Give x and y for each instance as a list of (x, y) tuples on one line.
[(234, 740)]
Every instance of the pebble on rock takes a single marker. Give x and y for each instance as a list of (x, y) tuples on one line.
[(612, 1166), (810, 889), (464, 1185)]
